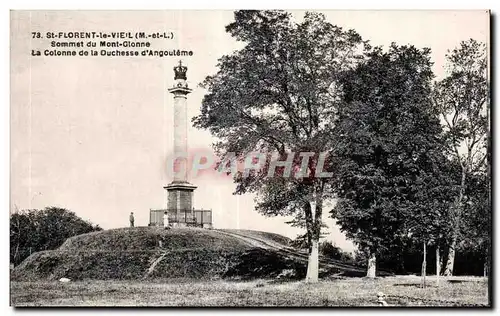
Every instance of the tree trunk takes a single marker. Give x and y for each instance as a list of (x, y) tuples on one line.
[(309, 225), (441, 259), (16, 254), (424, 265), (315, 227), (438, 265), (448, 271), (313, 263), (486, 267), (456, 226), (372, 265)]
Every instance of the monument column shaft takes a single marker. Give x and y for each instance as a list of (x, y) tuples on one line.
[(180, 136), (180, 191)]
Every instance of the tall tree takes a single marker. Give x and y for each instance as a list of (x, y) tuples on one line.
[(279, 94), (389, 140), (475, 231), (462, 100)]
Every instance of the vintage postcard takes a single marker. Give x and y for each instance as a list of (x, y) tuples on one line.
[(276, 158)]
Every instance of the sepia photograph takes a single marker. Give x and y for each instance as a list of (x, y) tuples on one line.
[(250, 158)]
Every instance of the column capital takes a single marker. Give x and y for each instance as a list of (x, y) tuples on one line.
[(180, 90)]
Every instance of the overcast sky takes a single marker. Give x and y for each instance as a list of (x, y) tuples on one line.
[(92, 134)]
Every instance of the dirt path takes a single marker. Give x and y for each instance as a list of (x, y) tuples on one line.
[(154, 264), (248, 240)]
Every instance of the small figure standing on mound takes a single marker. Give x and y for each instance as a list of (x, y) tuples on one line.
[(131, 218), (165, 221)]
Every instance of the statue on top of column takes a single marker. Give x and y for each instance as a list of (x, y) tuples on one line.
[(180, 71)]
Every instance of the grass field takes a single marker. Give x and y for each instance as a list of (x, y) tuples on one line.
[(400, 291)]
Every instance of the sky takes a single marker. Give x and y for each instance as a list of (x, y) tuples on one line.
[(92, 134)]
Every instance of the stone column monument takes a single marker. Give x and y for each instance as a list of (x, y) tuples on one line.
[(180, 191)]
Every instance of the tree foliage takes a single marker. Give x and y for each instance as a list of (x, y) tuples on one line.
[(476, 226), (462, 101), (47, 229), (390, 149)]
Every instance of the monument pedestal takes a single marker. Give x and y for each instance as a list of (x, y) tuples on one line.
[(180, 203)]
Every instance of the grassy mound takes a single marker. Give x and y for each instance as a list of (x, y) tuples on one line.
[(144, 252)]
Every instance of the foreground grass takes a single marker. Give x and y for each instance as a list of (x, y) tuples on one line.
[(400, 291)]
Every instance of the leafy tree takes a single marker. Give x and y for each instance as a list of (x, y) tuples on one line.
[(47, 229), (462, 100), (475, 230), (22, 226), (389, 148), (280, 94)]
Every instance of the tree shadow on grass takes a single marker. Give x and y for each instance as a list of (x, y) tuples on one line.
[(458, 281), (362, 274), (408, 284), (415, 285), (419, 284), (352, 274)]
